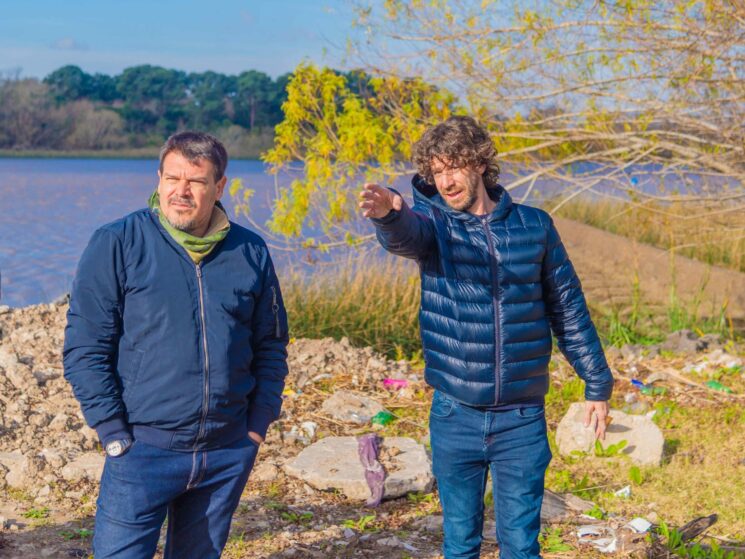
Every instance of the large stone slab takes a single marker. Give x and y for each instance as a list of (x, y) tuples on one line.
[(348, 406), (86, 466), (333, 463), (644, 439)]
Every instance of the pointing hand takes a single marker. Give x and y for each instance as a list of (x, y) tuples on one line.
[(378, 201)]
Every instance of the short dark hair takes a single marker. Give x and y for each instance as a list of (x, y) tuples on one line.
[(463, 142), (195, 146)]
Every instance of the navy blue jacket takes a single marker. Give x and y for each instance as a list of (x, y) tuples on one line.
[(493, 289), (184, 356)]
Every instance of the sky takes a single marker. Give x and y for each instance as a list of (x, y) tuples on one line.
[(227, 36)]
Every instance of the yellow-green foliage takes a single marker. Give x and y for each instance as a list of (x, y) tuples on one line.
[(340, 138)]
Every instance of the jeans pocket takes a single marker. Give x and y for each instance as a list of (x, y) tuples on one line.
[(442, 406), (530, 411)]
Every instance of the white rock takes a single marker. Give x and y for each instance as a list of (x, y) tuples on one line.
[(348, 406), (16, 372), (86, 466), (265, 471), (644, 439), (333, 463), (18, 467)]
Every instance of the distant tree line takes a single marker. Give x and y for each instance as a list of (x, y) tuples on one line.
[(71, 109)]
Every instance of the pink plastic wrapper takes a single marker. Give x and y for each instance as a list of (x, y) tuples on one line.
[(395, 383), (367, 447)]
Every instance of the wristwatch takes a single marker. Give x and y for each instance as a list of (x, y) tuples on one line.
[(118, 447)]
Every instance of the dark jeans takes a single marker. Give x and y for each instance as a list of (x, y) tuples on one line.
[(466, 443), (199, 492)]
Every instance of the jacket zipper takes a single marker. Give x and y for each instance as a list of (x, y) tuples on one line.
[(495, 300), (275, 310), (206, 401)]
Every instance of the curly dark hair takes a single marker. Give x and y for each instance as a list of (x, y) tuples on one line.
[(462, 142)]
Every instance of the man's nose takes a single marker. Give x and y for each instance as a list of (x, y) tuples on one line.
[(183, 188)]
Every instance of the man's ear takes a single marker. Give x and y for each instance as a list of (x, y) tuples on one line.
[(481, 168), (220, 187)]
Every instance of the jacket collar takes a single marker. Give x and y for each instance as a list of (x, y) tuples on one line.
[(427, 193)]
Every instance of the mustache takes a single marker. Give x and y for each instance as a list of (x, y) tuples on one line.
[(180, 200)]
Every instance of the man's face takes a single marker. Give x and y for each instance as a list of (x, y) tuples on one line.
[(188, 192), (460, 187)]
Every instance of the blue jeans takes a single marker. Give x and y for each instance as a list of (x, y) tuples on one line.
[(466, 443), (199, 492)]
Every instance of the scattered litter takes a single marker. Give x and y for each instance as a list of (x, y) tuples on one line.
[(605, 545), (590, 530), (309, 428), (382, 418), (624, 492), (367, 447), (716, 385), (640, 525), (630, 398), (395, 383), (694, 368), (289, 393), (647, 389)]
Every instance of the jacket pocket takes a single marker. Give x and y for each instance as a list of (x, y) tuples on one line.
[(129, 366), (530, 411), (442, 406)]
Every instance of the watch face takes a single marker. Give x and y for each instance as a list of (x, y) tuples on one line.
[(114, 448)]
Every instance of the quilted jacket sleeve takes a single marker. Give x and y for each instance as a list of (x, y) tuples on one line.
[(407, 232), (269, 364), (570, 320), (92, 334)]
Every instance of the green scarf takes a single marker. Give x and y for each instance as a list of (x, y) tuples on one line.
[(197, 247)]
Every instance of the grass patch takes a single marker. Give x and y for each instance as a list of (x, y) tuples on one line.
[(378, 305), (714, 238), (371, 305)]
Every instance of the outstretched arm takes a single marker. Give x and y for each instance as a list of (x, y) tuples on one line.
[(401, 230)]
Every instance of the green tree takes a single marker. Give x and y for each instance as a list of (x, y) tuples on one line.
[(154, 98), (69, 83), (209, 94)]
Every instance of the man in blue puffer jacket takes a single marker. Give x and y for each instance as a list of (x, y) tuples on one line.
[(495, 282), (175, 347)]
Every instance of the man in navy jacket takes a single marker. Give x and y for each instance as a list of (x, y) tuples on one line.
[(495, 281), (175, 347)]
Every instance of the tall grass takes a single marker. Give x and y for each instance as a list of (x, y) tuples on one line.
[(375, 302), (692, 230), (372, 301)]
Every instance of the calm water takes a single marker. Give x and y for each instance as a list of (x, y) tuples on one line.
[(50, 208)]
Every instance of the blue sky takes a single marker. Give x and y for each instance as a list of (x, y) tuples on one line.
[(229, 36)]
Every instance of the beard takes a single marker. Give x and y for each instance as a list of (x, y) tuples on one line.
[(466, 200), (181, 222)]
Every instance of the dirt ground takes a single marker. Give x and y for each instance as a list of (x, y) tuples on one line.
[(607, 265), (279, 516)]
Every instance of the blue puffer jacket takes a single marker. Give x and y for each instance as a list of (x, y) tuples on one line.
[(493, 288), (186, 357)]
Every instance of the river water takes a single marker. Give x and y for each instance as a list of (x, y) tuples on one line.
[(50, 208)]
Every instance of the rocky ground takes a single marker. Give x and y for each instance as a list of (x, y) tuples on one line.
[(297, 503)]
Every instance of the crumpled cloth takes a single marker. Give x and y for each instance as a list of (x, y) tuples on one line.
[(367, 447)]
